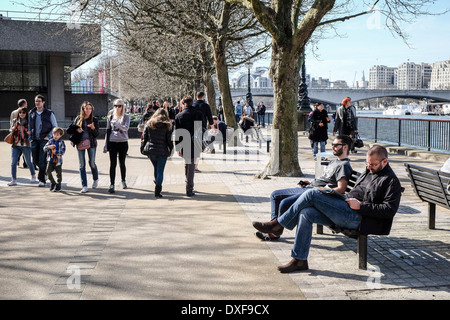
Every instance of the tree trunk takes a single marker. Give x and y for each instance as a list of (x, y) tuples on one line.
[(284, 69), (210, 92), (224, 83)]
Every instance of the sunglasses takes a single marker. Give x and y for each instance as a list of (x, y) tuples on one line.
[(22, 112), (118, 106)]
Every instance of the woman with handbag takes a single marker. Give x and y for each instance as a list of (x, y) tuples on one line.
[(20, 144), (157, 145), (346, 121), (84, 132), (118, 124)]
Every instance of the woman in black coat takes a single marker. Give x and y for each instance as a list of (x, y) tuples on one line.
[(319, 129), (157, 145)]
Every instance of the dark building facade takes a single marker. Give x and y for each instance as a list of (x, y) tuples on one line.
[(37, 57)]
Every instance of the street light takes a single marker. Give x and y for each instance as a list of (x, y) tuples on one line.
[(249, 93), (304, 102)]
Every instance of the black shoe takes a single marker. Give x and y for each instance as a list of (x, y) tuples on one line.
[(111, 189), (190, 193), (57, 188), (158, 191), (267, 236), (52, 187)]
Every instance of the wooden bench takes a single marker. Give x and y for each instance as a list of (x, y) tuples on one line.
[(431, 186), (361, 239), (260, 138)]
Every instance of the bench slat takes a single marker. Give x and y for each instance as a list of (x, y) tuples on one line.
[(429, 198), (425, 176), (425, 187), (430, 186)]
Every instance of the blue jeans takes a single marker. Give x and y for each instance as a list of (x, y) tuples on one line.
[(15, 154), (316, 147), (315, 207), (82, 165), (281, 200), (261, 120), (159, 163)]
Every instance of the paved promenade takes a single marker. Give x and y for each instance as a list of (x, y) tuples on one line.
[(129, 245)]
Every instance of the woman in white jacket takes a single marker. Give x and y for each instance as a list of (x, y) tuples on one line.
[(119, 124)]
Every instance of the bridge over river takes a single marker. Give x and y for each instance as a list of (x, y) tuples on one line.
[(335, 96)]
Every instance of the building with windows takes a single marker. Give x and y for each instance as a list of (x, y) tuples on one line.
[(37, 58), (412, 76), (382, 77), (440, 76), (259, 78)]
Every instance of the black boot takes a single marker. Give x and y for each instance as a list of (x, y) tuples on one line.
[(158, 191)]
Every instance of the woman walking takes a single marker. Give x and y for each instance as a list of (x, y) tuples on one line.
[(119, 123), (86, 127), (319, 129), (157, 145), (21, 145)]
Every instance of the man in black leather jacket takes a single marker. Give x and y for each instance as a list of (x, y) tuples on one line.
[(370, 207)]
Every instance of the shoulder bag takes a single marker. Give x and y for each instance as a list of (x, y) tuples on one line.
[(358, 142), (84, 144), (9, 138)]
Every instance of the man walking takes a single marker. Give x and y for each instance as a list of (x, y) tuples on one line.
[(41, 122), (237, 112), (205, 109), (188, 136)]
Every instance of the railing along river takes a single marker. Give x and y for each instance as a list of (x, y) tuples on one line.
[(429, 134)]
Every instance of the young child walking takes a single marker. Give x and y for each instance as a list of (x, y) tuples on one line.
[(55, 149)]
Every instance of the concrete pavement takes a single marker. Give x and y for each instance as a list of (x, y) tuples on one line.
[(130, 245)]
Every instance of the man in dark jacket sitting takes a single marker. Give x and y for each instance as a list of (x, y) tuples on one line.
[(370, 207)]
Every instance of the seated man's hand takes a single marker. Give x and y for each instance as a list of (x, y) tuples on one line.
[(353, 203)]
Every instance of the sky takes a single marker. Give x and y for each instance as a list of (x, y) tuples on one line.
[(365, 42)]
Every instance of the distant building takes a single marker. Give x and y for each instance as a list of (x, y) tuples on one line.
[(319, 83), (259, 78), (362, 84), (339, 84), (413, 76), (38, 57), (382, 77), (440, 76)]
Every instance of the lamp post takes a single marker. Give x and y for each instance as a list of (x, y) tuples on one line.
[(304, 102), (249, 93)]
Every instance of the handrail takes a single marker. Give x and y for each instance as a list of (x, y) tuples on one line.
[(409, 119), (429, 134)]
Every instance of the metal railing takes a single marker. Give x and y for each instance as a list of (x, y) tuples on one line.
[(34, 16), (428, 134)]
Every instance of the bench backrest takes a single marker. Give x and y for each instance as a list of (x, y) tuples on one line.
[(429, 185), (352, 180)]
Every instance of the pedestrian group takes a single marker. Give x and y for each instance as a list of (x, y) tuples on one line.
[(369, 207)]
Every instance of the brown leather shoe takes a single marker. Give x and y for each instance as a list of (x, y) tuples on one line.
[(294, 265), (269, 227)]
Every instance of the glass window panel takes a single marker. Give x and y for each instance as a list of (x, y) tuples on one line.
[(10, 77)]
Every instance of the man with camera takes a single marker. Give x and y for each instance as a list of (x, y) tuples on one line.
[(335, 176)]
